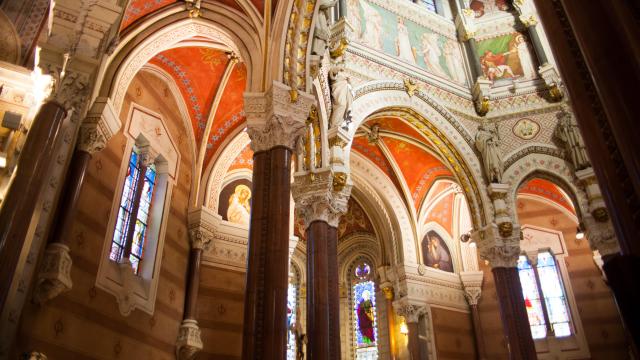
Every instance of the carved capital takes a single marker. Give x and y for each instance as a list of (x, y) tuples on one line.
[(498, 250), (275, 118), (410, 311), (202, 228), (472, 284), (601, 236), (99, 126), (70, 89), (318, 197), (55, 275), (189, 343)]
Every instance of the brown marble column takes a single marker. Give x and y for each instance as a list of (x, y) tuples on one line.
[(500, 245), (603, 95), (19, 204), (202, 224), (514, 313), (275, 122)]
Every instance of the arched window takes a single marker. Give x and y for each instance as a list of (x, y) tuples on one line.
[(130, 232), (544, 295), (364, 311)]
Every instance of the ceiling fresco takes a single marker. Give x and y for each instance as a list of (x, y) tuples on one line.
[(397, 125), (244, 160), (419, 168), (198, 72), (442, 212), (547, 190), (355, 220)]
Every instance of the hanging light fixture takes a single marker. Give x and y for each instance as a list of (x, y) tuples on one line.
[(580, 232)]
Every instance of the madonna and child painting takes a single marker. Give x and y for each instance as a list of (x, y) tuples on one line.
[(235, 202)]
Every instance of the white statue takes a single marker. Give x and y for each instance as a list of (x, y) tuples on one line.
[(568, 133), (488, 143), (322, 31), (341, 95)]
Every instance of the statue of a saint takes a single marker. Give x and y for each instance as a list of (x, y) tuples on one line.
[(488, 143), (569, 135), (322, 29), (341, 95)]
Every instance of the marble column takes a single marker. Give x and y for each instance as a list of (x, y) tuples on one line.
[(54, 277), (19, 204), (472, 284), (412, 314), (275, 122), (387, 288), (320, 201), (202, 227), (500, 245)]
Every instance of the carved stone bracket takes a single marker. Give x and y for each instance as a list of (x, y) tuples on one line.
[(498, 194), (55, 276), (482, 95), (498, 250), (189, 343), (410, 311), (321, 196), (202, 228), (472, 284), (99, 126), (601, 236), (276, 118), (597, 207)]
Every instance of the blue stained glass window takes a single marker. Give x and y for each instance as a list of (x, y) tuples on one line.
[(532, 300), (364, 309), (291, 322), (125, 212), (554, 297)]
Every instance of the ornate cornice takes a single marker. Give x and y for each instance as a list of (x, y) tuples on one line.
[(276, 118)]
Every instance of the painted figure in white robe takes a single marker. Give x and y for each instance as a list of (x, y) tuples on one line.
[(522, 48), (431, 54), (239, 207), (372, 35), (454, 61), (403, 45)]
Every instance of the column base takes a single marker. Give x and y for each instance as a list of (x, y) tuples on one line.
[(619, 270), (189, 343), (55, 275)]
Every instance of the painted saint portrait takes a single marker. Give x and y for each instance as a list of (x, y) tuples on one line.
[(435, 252), (235, 202)]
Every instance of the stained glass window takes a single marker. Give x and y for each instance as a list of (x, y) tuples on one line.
[(429, 4), (364, 311), (131, 193), (532, 300), (544, 296), (291, 322)]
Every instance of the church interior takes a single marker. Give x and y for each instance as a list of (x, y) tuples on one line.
[(319, 179)]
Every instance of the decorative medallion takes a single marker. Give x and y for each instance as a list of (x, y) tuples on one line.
[(422, 269), (526, 129)]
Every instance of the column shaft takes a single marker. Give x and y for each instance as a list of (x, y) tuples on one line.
[(193, 284), (414, 342), (67, 205), (481, 352), (323, 301), (265, 312), (514, 314), (19, 204), (537, 45), (391, 323), (619, 270)]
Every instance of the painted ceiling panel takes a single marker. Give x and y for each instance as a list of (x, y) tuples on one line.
[(244, 160), (373, 153), (230, 112), (419, 168), (355, 220), (198, 72), (139, 8), (547, 190), (442, 213), (397, 125)]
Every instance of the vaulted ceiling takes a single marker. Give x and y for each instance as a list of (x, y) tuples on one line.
[(198, 72), (140, 9), (546, 190), (404, 155)]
